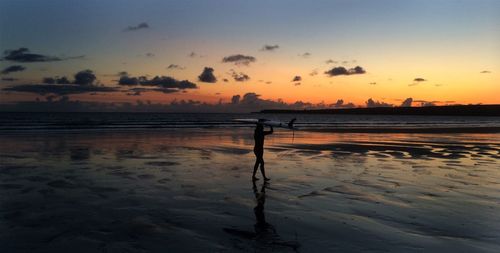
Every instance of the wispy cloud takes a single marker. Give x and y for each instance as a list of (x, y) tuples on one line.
[(269, 47), (23, 55), (239, 59), (13, 68), (142, 25), (239, 77)]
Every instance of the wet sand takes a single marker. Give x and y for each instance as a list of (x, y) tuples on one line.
[(190, 191)]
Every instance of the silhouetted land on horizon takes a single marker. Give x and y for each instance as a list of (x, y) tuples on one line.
[(449, 110)]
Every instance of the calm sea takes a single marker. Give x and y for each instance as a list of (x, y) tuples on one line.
[(15, 122)]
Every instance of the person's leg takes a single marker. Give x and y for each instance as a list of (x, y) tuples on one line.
[(255, 168), (262, 169)]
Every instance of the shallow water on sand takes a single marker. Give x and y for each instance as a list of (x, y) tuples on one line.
[(190, 190)]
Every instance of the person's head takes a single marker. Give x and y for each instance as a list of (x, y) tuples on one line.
[(259, 128)]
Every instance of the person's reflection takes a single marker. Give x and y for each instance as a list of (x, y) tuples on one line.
[(265, 233), (261, 226), (265, 237)]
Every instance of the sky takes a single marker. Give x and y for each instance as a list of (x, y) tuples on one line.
[(279, 54)]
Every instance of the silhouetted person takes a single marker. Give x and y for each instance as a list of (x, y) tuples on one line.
[(258, 150)]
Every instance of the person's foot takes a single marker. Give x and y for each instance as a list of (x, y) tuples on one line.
[(255, 178), (267, 179)]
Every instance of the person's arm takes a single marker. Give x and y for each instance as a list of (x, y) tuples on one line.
[(269, 132)]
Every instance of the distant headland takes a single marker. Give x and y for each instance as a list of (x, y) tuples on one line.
[(448, 110)]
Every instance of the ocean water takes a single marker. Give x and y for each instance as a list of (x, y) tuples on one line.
[(120, 182), (138, 121)]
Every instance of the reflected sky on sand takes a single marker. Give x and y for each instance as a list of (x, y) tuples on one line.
[(190, 190)]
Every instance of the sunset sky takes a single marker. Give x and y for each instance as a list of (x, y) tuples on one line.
[(435, 51)]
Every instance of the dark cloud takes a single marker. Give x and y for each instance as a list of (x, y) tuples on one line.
[(239, 59), (225, 80), (337, 71), (142, 25), (235, 99), (270, 47), (305, 55), (23, 55), (138, 90), (175, 66), (207, 75), (428, 103), (9, 79), (372, 103), (192, 54), (297, 79), (314, 72), (419, 79), (58, 89), (485, 72), (13, 68), (373, 83), (85, 77), (150, 55), (168, 84), (249, 102), (330, 61), (122, 73), (340, 104), (56, 80), (239, 77), (407, 102)]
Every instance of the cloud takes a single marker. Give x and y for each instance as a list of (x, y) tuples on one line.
[(138, 90), (330, 61), (340, 104), (372, 103), (150, 55), (313, 72), (239, 59), (207, 75), (485, 72), (239, 77), (407, 102), (56, 80), (85, 77), (428, 103), (164, 82), (23, 55), (337, 71), (270, 47), (297, 79), (142, 25), (305, 55), (373, 83), (58, 89), (13, 68), (225, 80), (419, 79), (175, 66)]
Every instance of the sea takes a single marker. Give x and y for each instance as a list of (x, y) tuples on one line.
[(22, 122)]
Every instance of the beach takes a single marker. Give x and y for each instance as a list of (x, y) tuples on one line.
[(190, 190)]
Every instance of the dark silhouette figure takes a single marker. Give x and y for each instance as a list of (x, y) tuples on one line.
[(258, 150), (265, 238)]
